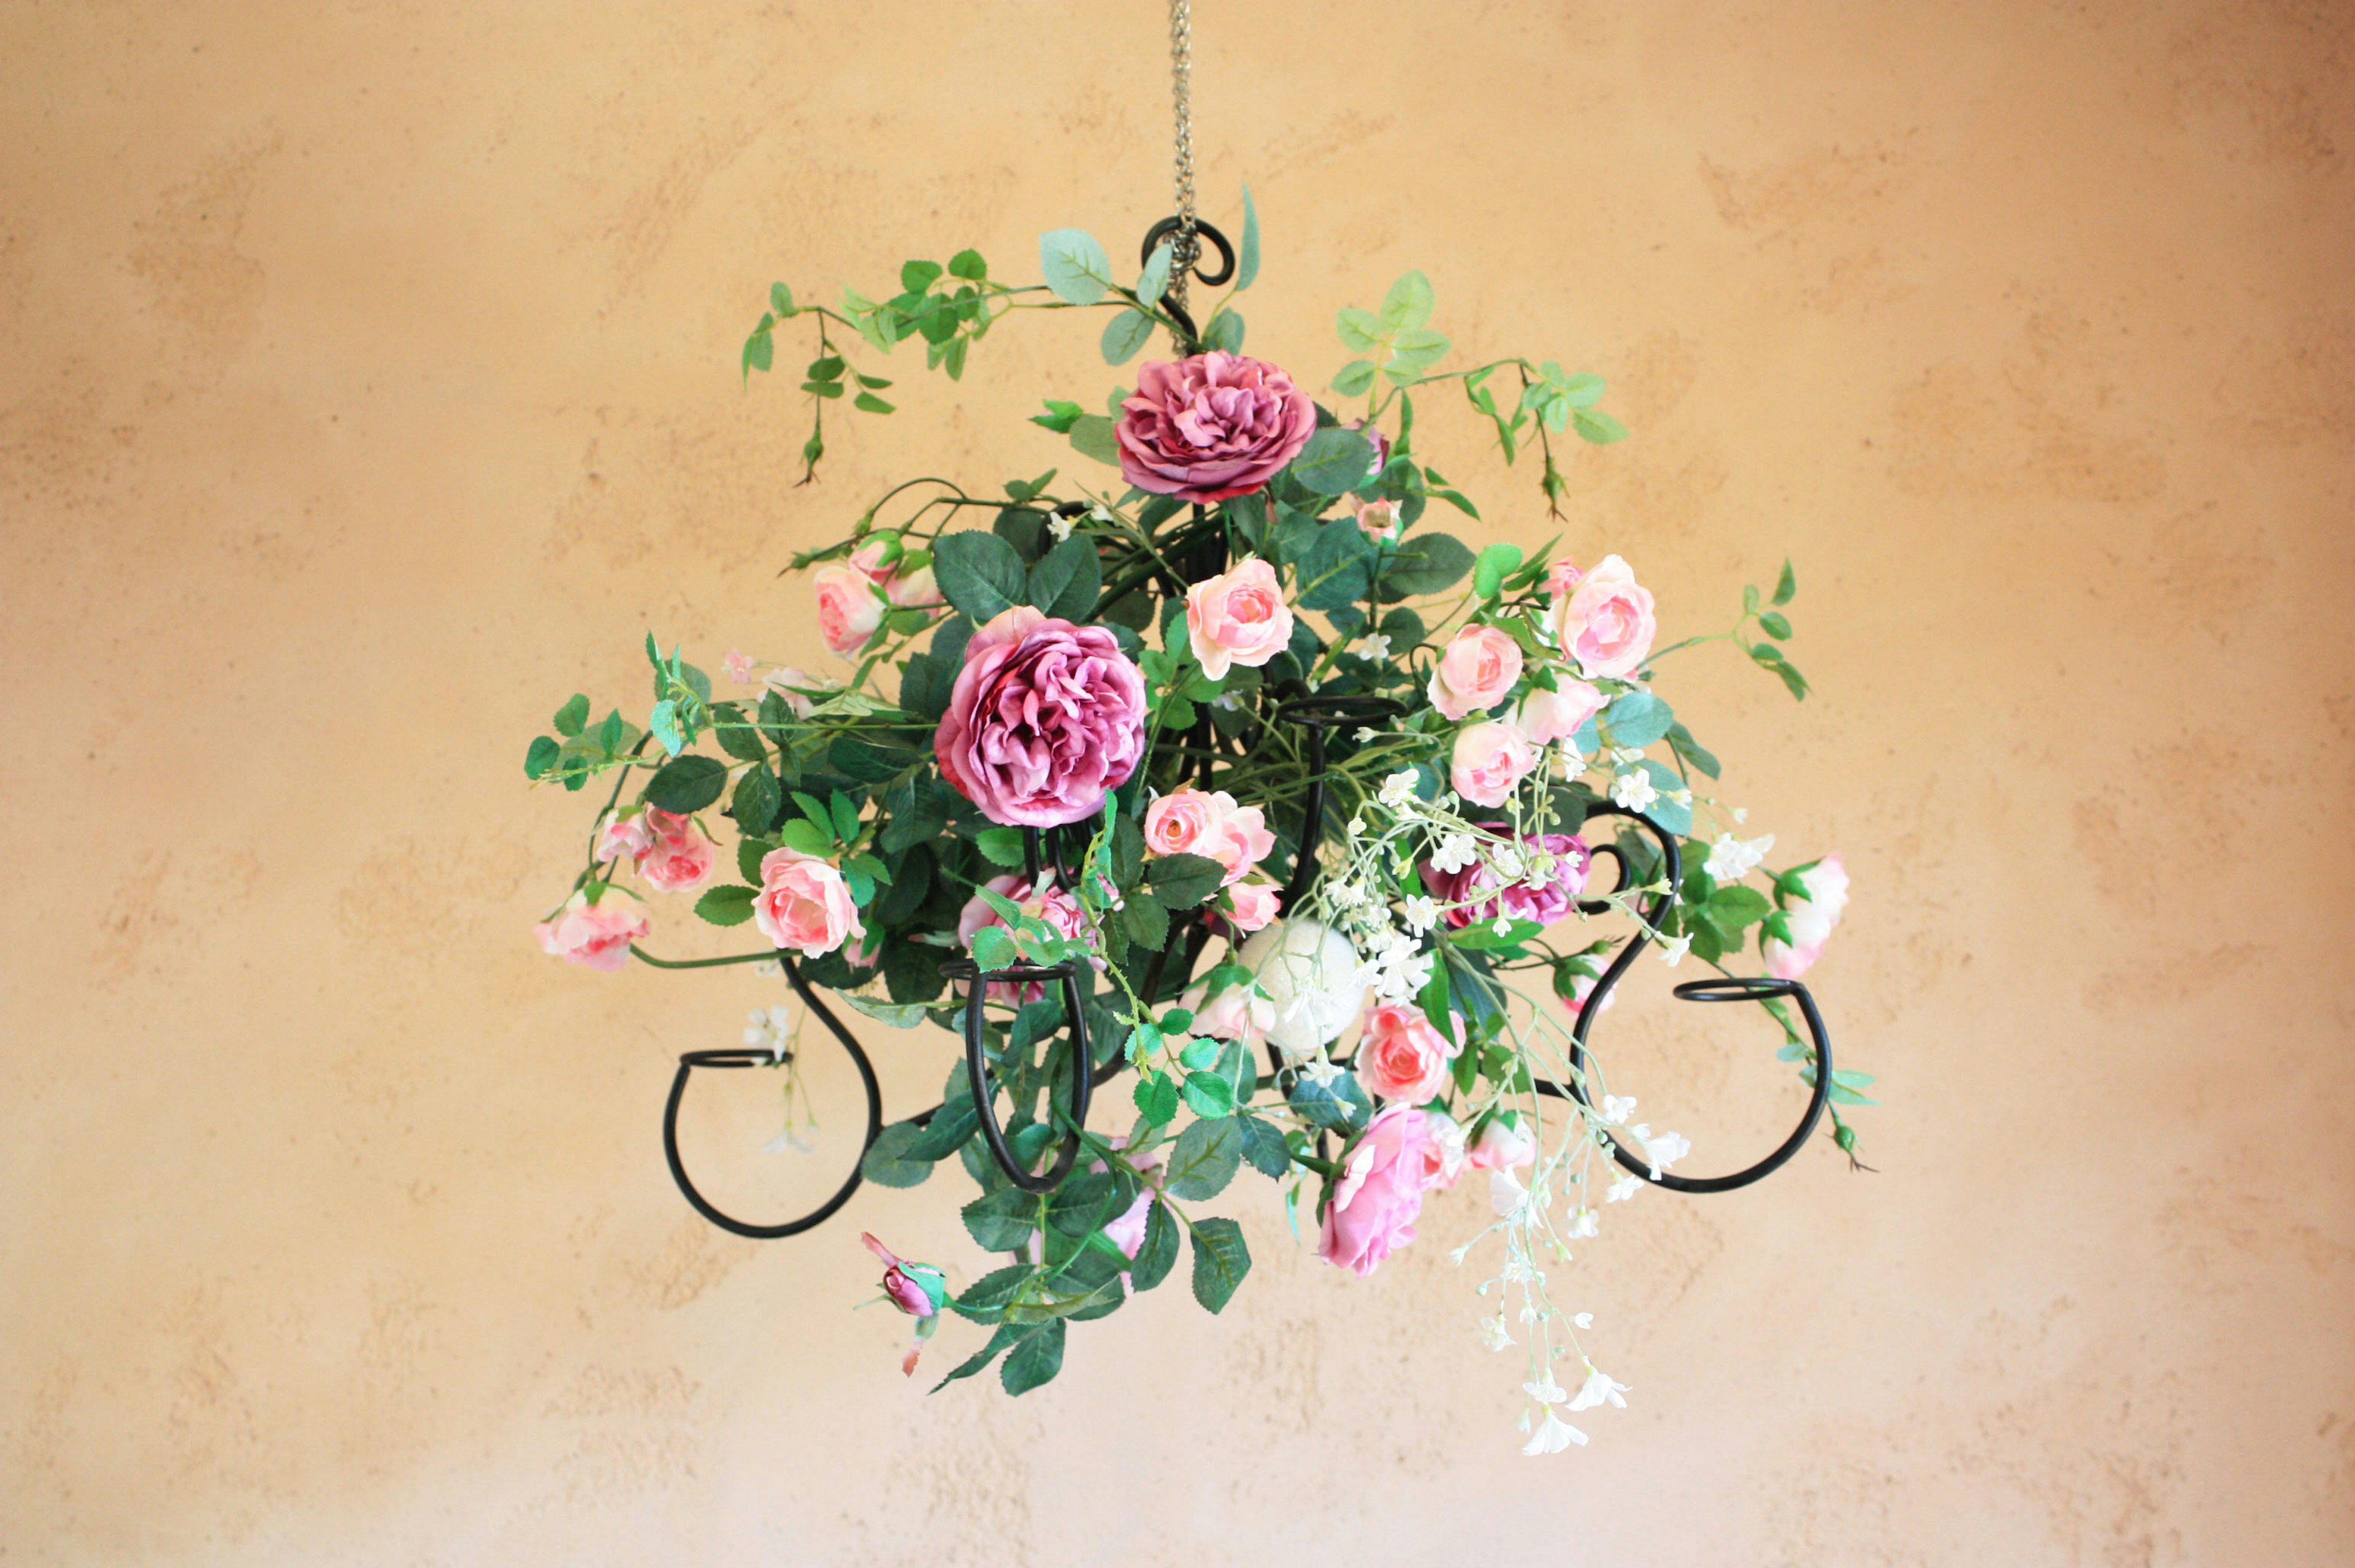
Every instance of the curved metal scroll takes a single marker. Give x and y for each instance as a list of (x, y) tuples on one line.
[(692, 1059), (1166, 229), (1737, 989), (977, 1063)]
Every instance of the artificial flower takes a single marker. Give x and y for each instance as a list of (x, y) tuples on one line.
[(849, 608), (805, 904), (1380, 1197), (597, 935), (1044, 719), (1401, 1057), (1212, 426), (1237, 617), (1490, 758), (1605, 622), (1474, 673), (1810, 919)]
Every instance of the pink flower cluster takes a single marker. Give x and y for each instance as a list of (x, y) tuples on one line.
[(669, 850), (1044, 719), (597, 935), (1539, 896), (1402, 1154), (853, 597), (1209, 823)]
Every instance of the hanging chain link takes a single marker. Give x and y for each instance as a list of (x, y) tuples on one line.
[(1181, 72)]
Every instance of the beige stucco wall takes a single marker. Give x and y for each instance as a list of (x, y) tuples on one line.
[(368, 386)]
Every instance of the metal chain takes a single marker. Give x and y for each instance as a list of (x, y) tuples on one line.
[(1181, 71)]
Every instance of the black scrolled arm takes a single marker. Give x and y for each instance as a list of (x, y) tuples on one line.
[(977, 1063), (741, 1056), (1732, 989), (1317, 715), (1173, 229)]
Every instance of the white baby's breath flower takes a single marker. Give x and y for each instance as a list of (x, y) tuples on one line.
[(1731, 858), (1665, 1150), (1674, 948), (1494, 1334), (1634, 791), (1623, 755), (1682, 796), (1546, 1393), (1502, 925), (1506, 1194), (1599, 1388), (1617, 1108), (1100, 514), (771, 1028), (1422, 913), (1456, 851), (1554, 1437), (1320, 1069), (789, 1142), (1740, 815), (1367, 733), (768, 969), (1626, 1188), (1398, 789), (1059, 526), (1508, 862), (1584, 1222), (1228, 701), (1373, 646), (1584, 1320), (1346, 895)]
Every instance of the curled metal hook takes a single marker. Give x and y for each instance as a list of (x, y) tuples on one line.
[(976, 1064), (1174, 228)]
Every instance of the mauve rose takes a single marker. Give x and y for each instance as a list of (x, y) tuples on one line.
[(1379, 522), (1606, 620), (1811, 919), (1552, 901), (805, 904), (1546, 716), (1490, 758), (679, 859), (1237, 617), (1254, 903), (1180, 823), (1211, 427), (1051, 904), (597, 935), (849, 608), (1379, 1194), (1401, 1057), (1475, 672), (1045, 716), (1505, 1142)]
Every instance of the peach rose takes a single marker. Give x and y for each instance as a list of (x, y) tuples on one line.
[(1475, 672), (1811, 919), (1504, 1143), (1490, 758), (597, 935), (805, 904), (1563, 578), (1544, 716), (1237, 617), (1181, 822), (1253, 905), (1401, 1057), (1606, 620), (849, 608), (1378, 520)]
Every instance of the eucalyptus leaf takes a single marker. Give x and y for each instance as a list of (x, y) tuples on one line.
[(1075, 265)]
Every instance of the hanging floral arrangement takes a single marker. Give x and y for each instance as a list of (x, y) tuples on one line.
[(1230, 813)]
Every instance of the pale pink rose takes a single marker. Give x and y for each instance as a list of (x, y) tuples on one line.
[(1490, 758), (1378, 520), (1049, 903), (737, 665), (681, 858), (597, 935), (1180, 823), (786, 682), (1400, 1056), (1444, 1157), (1582, 988), (1380, 1196), (1546, 716), (880, 560), (1505, 1142), (805, 904), (1475, 672), (1253, 905), (849, 608), (1811, 919), (1237, 617), (1238, 838), (1563, 578), (1044, 719), (624, 838), (1211, 427), (1237, 1012), (1606, 620), (1127, 1233)]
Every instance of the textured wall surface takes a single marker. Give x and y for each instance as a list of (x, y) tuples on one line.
[(368, 387)]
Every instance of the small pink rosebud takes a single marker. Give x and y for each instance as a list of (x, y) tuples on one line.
[(916, 1290)]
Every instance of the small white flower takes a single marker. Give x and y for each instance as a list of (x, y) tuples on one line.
[(1599, 1388), (1584, 1320), (789, 1142), (1456, 851), (1546, 1393), (1100, 514), (1506, 1194), (1623, 755), (1731, 858), (768, 969), (1502, 925), (1554, 1437), (1674, 948), (1617, 1108), (1367, 733), (1664, 1151), (1626, 1188), (1740, 815), (1320, 1069), (1346, 895), (1584, 1222), (1059, 526), (1398, 789), (1228, 701), (1493, 1332), (1682, 797), (770, 1029), (1509, 863), (1422, 913), (1374, 645), (1632, 790)]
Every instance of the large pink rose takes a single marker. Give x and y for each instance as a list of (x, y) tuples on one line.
[(1811, 919), (1380, 1196), (678, 857), (1605, 622), (805, 904), (1544, 899), (1237, 617), (1212, 426), (1400, 1055), (597, 935), (1044, 718), (849, 608), (1545, 716), (1475, 672), (1490, 758), (1049, 903)]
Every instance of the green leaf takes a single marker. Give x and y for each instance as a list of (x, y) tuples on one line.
[(1182, 882), (994, 949), (1147, 921), (916, 277), (1247, 259), (1156, 1099), (686, 784), (1199, 1052), (1670, 815), (1414, 351), (662, 722), (1205, 1159), (1483, 938), (979, 572), (1335, 462), (1409, 302), (806, 837), (1489, 571), (1008, 1334), (1221, 1261), (1126, 333), (870, 403), (1225, 331), (1263, 1147), (845, 812), (898, 1014), (1339, 1104), (727, 904), (967, 265), (540, 756), (1425, 564), (888, 1163), (1002, 844), (1360, 331), (1059, 416), (573, 716), (1702, 759), (1066, 580), (758, 799), (1785, 589), (1210, 1096), (1637, 719), (1154, 281), (1354, 380), (1001, 1221), (1159, 1255), (1092, 436), (1075, 265), (760, 353), (1735, 907), (1774, 624), (867, 762), (1595, 426), (1035, 1361), (952, 1127)]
